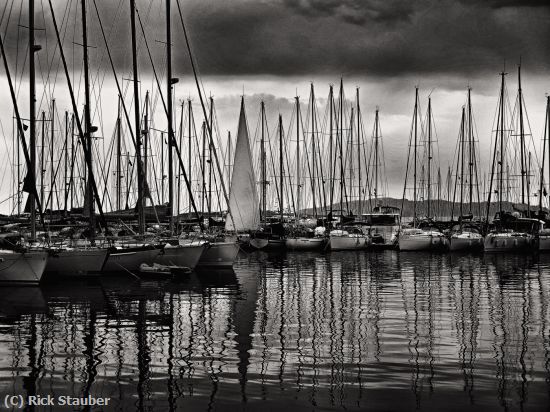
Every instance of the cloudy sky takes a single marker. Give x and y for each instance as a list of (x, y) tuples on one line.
[(274, 49)]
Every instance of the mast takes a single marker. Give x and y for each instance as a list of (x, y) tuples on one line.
[(145, 133), (340, 138), (71, 178), (522, 139), (118, 154), (32, 117), (141, 217), (415, 150), (281, 168), (52, 173), (429, 154), (87, 122), (263, 166), (471, 154), (313, 148), (462, 137), (190, 115), (203, 168), (42, 169), (298, 177), (359, 146), (350, 147), (545, 138), (501, 182), (66, 160), (331, 155), (376, 159), (209, 161), (169, 82)]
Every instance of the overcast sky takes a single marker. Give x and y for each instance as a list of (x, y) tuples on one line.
[(274, 49)]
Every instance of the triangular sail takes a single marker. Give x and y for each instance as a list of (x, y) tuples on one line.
[(244, 205)]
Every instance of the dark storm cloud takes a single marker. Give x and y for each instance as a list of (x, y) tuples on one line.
[(350, 37)]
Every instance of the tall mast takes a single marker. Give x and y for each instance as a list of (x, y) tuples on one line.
[(471, 152), (281, 168), (501, 180), (32, 117), (341, 140), (203, 168), (209, 162), (87, 121), (66, 172), (415, 150), (190, 147), (263, 165), (169, 82), (145, 133), (141, 217), (376, 156), (118, 154), (350, 148), (359, 146), (461, 160), (298, 177), (52, 173), (42, 169), (521, 138), (330, 144), (429, 154), (313, 149)]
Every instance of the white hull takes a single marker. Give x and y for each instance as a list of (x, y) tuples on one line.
[(181, 255), (129, 259), (508, 242), (304, 243), (222, 254), (425, 241), (76, 262), (348, 242), (22, 268), (465, 242)]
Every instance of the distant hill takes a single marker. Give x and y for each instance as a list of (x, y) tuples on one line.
[(440, 209)]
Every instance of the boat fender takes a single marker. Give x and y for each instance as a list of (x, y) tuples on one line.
[(1, 260)]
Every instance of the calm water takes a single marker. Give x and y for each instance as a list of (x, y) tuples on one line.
[(353, 331)]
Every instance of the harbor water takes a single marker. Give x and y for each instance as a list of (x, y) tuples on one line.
[(296, 331)]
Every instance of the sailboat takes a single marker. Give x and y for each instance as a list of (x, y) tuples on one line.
[(382, 221), (243, 208), (299, 235), (348, 235), (427, 237), (466, 236), (18, 265), (509, 231)]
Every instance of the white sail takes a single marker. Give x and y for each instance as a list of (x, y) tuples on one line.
[(244, 206)]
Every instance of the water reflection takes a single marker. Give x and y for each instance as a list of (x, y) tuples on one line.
[(336, 331)]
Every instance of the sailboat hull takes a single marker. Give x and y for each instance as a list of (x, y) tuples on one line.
[(511, 242), (22, 268), (181, 255), (221, 254), (304, 243), (348, 243), (466, 242), (258, 243), (424, 241), (76, 262), (129, 259)]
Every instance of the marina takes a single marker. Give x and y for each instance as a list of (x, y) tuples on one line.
[(201, 208)]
